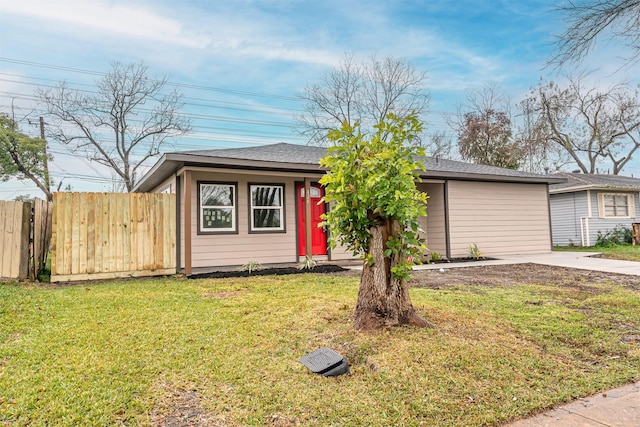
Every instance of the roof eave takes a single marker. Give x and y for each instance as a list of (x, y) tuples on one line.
[(591, 187), (169, 163), (469, 176)]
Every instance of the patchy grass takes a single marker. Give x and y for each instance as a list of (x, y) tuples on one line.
[(622, 252), (224, 352)]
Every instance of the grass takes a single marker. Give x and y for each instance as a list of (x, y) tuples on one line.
[(621, 252), (126, 352)]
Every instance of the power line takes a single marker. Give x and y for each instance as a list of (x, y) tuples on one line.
[(182, 85)]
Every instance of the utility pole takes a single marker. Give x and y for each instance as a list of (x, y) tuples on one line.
[(45, 166), (46, 157)]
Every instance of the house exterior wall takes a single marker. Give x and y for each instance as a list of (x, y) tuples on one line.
[(217, 250), (567, 209), (168, 186), (501, 218), (340, 253), (433, 224), (577, 219), (599, 224), (210, 250)]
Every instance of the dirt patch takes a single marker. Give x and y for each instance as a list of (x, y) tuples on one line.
[(328, 268), (631, 339), (183, 408), (229, 294), (516, 274)]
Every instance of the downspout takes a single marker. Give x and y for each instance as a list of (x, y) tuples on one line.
[(307, 218), (549, 213), (178, 229), (587, 218), (187, 223), (584, 231)]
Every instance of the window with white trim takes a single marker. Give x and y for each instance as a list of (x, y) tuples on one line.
[(217, 207), (616, 205), (266, 207)]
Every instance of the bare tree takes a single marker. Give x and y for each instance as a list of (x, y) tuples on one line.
[(539, 153), (361, 93), (120, 125), (587, 21), (439, 144), (594, 127)]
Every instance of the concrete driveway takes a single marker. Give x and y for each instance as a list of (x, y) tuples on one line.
[(582, 260)]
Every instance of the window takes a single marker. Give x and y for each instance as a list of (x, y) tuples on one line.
[(266, 207), (217, 207), (616, 205)]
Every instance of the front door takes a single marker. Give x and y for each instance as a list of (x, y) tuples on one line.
[(318, 235)]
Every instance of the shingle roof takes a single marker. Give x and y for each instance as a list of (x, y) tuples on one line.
[(281, 152), (583, 181), (304, 158), (434, 164), (305, 154)]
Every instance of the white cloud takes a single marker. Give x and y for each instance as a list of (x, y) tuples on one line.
[(210, 33), (115, 19)]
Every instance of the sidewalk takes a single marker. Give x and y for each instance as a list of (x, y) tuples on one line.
[(619, 407), (581, 260)]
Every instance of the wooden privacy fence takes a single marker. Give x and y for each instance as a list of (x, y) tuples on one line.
[(41, 235), (107, 235), (25, 230)]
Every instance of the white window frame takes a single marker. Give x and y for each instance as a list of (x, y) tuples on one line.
[(602, 205), (252, 208), (233, 208)]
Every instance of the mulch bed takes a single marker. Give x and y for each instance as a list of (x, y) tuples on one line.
[(327, 268)]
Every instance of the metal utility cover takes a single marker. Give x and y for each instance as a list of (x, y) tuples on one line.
[(326, 362)]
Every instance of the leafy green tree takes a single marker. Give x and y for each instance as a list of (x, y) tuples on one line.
[(374, 213), (22, 157)]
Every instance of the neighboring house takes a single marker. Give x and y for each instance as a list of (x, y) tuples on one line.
[(587, 204), (264, 203)]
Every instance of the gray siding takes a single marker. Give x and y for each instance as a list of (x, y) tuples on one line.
[(566, 211), (603, 225)]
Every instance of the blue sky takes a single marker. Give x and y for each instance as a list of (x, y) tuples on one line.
[(240, 64)]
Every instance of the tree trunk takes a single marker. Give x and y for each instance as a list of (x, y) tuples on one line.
[(383, 300)]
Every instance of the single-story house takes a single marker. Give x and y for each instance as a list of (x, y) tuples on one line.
[(263, 203), (587, 204)]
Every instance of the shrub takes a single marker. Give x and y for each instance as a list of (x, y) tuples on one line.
[(474, 252), (308, 263), (251, 266), (618, 235)]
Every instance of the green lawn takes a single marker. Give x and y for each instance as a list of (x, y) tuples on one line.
[(136, 352), (622, 252)]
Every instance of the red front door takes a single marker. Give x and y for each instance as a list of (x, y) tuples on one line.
[(318, 235)]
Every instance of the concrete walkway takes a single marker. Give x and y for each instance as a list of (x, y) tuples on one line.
[(582, 260), (619, 407)]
